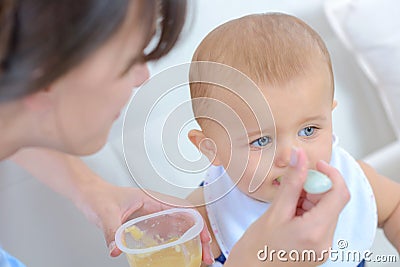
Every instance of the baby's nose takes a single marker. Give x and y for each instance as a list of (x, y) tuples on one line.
[(282, 156)]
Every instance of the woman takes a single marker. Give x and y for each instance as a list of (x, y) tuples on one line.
[(67, 69)]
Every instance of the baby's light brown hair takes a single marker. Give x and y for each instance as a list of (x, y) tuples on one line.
[(271, 49)]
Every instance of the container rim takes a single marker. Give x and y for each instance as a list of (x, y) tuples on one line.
[(188, 235)]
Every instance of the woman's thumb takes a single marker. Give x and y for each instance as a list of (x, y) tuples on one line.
[(291, 185)]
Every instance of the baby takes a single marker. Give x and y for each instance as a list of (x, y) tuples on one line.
[(290, 64)]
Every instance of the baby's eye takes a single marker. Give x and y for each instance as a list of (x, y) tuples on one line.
[(262, 141), (307, 131)]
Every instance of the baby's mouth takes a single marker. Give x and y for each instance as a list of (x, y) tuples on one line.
[(277, 181)]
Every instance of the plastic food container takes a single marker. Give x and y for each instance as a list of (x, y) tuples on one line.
[(169, 238)]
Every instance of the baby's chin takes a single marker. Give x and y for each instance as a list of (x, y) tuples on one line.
[(265, 193), (264, 196)]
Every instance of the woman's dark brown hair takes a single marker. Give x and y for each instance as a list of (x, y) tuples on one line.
[(41, 40)]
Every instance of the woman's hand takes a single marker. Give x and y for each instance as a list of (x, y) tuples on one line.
[(104, 204), (109, 206), (281, 228)]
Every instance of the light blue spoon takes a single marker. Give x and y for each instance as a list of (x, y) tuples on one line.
[(317, 183)]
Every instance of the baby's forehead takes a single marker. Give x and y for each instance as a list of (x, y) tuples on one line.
[(254, 107), (316, 74), (227, 107), (268, 48)]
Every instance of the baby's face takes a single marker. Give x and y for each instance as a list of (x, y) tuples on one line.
[(302, 110)]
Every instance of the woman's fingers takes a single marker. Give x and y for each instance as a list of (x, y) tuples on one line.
[(287, 198), (307, 205), (322, 218), (333, 201), (208, 257)]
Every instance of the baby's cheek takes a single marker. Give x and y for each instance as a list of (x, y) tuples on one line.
[(320, 150), (265, 192), (323, 154)]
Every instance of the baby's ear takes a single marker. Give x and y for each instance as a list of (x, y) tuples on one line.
[(206, 146)]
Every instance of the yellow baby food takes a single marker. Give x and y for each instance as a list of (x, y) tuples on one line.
[(135, 232), (183, 255), (187, 254)]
